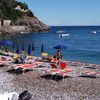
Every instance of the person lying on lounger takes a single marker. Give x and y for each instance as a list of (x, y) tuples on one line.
[(16, 58), (53, 61)]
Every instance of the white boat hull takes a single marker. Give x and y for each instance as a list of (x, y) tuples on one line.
[(93, 32), (63, 35)]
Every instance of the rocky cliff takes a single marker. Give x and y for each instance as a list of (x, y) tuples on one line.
[(22, 19)]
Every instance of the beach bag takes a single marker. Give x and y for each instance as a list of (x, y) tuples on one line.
[(25, 95)]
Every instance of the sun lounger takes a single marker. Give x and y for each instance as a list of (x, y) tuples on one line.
[(31, 64), (90, 74), (23, 67), (40, 63), (62, 69), (5, 62)]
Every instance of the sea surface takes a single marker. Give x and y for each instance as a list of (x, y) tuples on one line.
[(82, 44)]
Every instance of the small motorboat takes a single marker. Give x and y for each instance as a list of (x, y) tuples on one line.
[(63, 35), (93, 32)]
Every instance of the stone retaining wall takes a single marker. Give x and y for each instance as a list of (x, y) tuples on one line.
[(12, 29)]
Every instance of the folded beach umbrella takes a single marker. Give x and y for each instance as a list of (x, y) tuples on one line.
[(22, 47), (42, 48), (17, 50), (29, 49), (60, 47), (13, 46), (33, 47), (0, 44)]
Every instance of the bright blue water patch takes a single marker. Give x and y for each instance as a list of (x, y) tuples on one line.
[(82, 45)]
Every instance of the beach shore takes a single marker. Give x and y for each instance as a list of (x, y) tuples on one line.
[(69, 88)]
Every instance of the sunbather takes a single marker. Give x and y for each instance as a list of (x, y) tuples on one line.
[(61, 69), (22, 58), (16, 58)]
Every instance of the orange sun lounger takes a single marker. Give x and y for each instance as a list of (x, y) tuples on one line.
[(24, 67), (62, 70), (91, 73), (4, 62)]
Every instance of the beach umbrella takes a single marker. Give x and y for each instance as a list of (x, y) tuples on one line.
[(29, 49), (60, 47), (17, 50), (0, 44), (7, 43), (33, 47), (42, 48), (22, 47)]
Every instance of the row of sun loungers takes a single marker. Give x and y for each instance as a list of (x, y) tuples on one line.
[(61, 69), (89, 73)]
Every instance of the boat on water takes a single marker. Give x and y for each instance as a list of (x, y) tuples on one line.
[(62, 33), (94, 32)]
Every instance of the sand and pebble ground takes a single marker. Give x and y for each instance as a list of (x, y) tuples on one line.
[(70, 88)]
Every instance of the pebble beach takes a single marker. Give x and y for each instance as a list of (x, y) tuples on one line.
[(74, 87), (55, 60)]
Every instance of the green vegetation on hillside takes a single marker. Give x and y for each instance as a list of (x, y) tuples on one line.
[(7, 10)]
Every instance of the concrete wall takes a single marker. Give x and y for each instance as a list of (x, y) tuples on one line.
[(13, 29), (6, 22)]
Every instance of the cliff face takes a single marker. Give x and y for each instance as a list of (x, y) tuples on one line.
[(21, 16), (25, 25), (32, 24)]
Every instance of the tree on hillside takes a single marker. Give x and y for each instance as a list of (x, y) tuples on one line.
[(7, 10)]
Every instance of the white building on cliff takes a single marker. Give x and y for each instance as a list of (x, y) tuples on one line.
[(5, 22), (18, 7)]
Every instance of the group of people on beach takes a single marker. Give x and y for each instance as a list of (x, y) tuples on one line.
[(16, 58), (21, 58), (56, 57), (54, 60)]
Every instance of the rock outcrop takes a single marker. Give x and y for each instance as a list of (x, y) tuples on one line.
[(22, 19)]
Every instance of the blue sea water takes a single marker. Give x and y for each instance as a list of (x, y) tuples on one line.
[(82, 44)]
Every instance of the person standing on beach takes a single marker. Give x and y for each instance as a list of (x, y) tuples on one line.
[(59, 56)]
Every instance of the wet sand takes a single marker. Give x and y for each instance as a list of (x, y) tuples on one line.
[(69, 88)]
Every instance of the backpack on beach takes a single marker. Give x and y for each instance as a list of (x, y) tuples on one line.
[(25, 95)]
